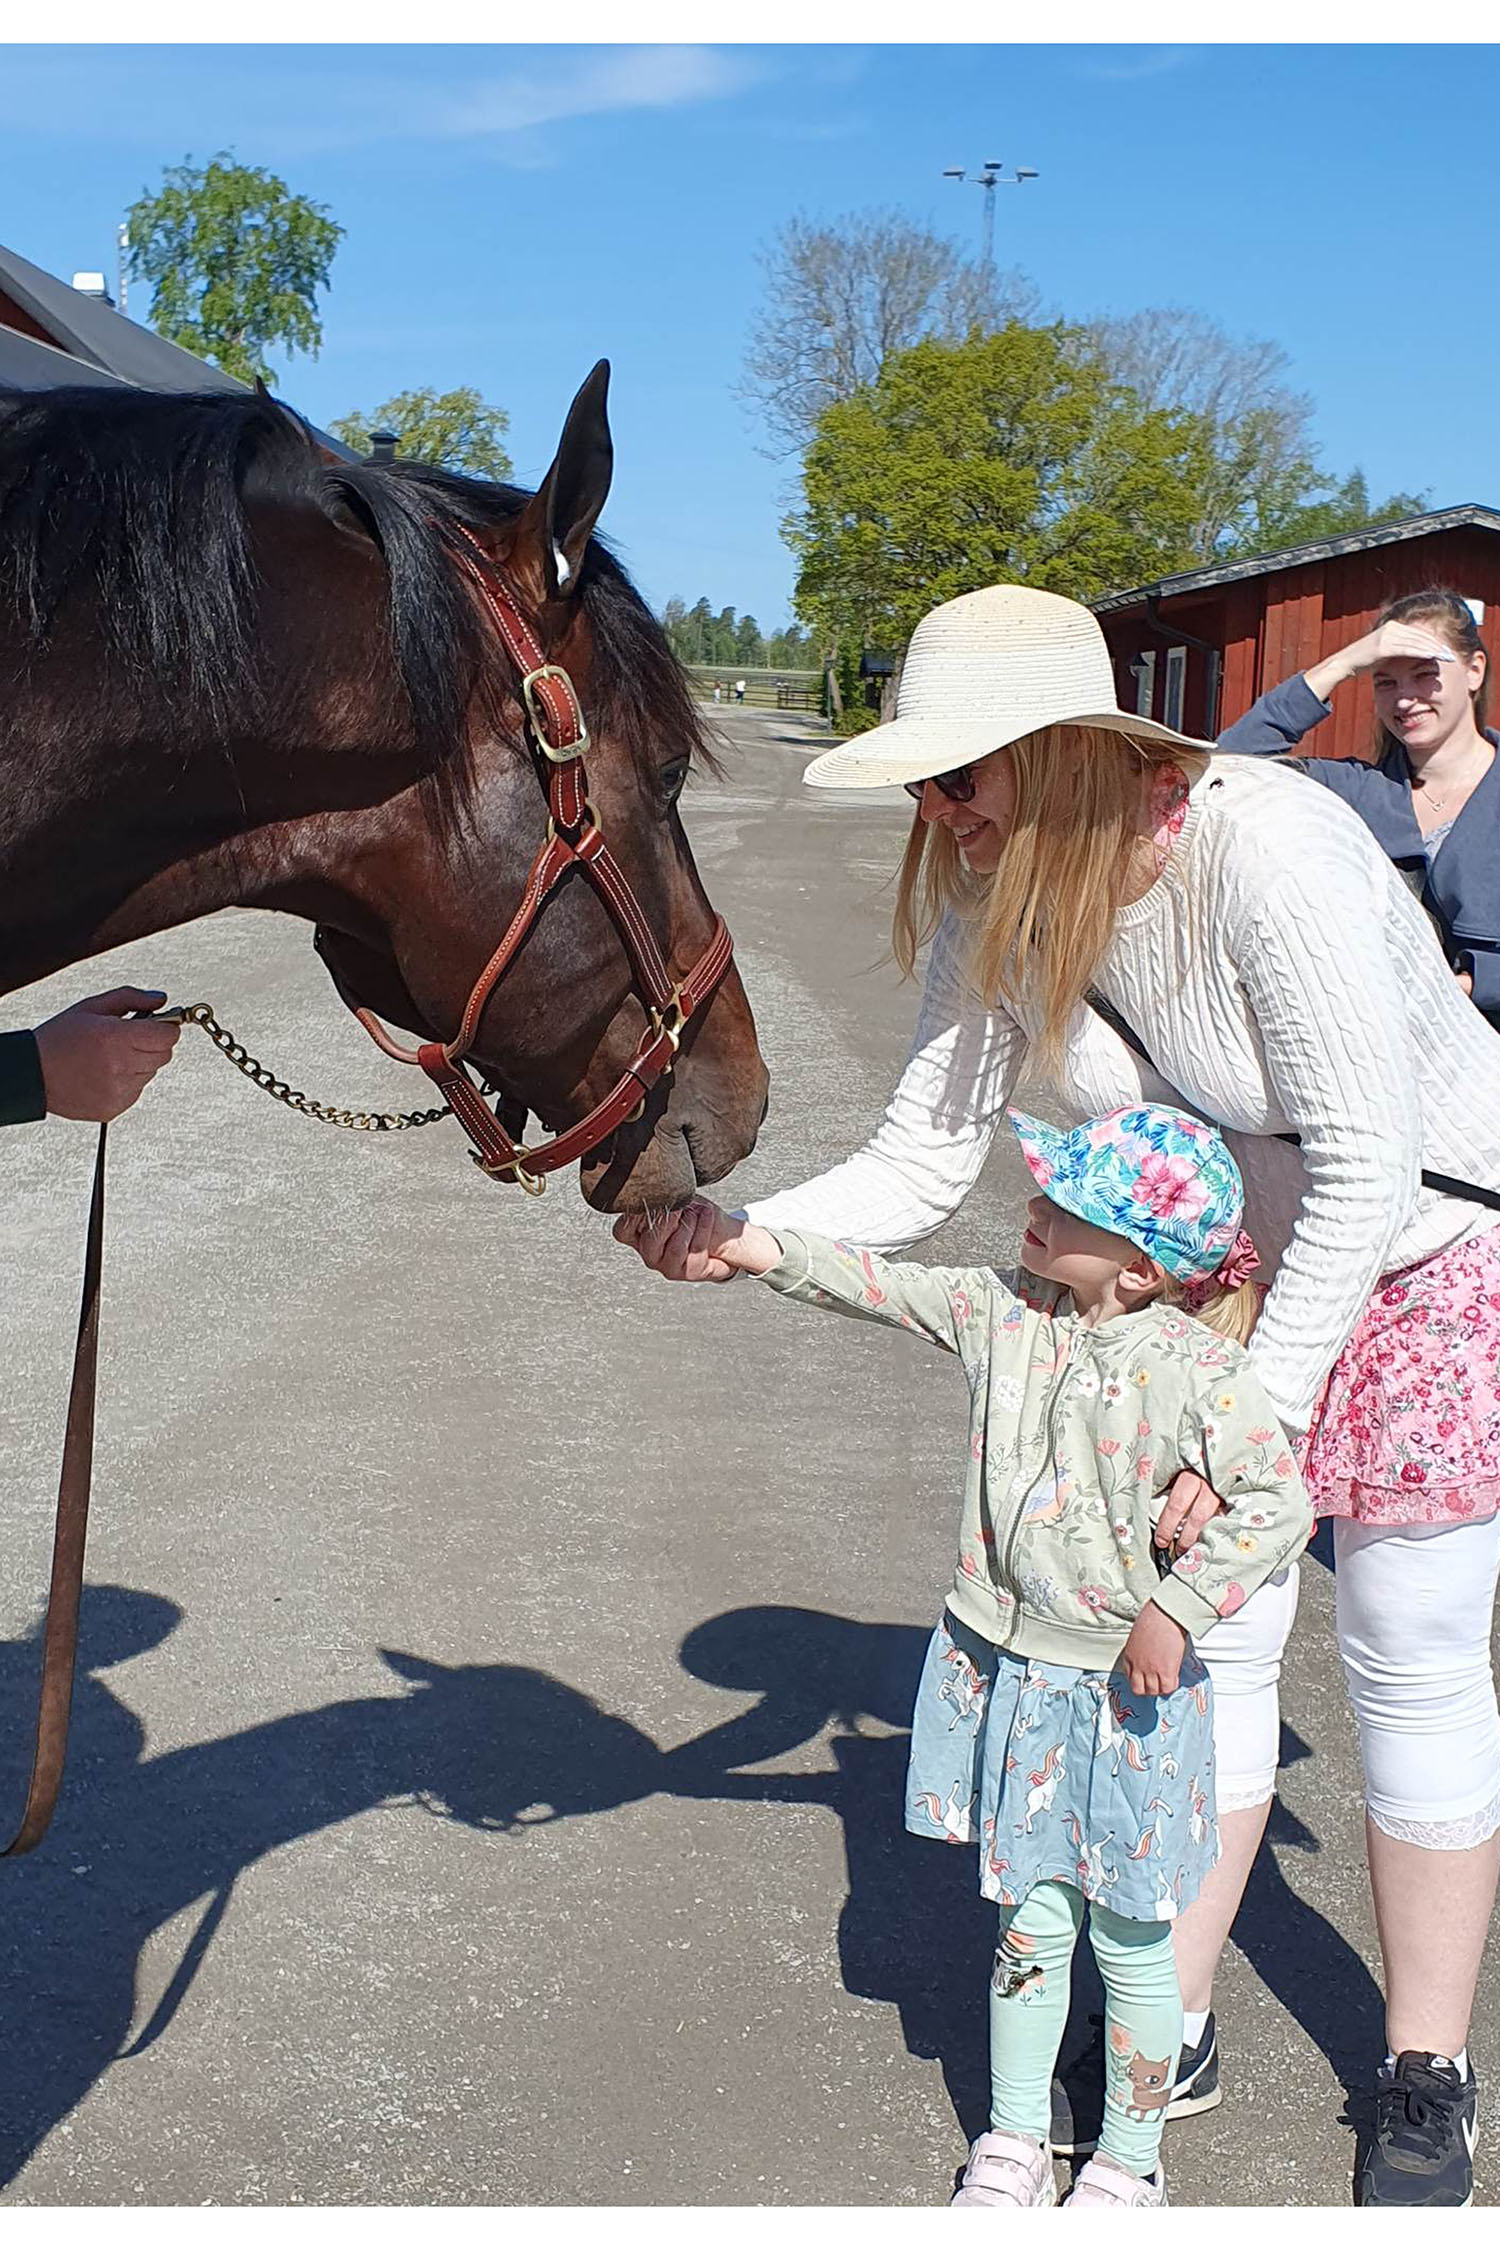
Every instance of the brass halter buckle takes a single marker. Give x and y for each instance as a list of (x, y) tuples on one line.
[(540, 717)]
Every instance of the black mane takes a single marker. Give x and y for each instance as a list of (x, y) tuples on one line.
[(134, 501)]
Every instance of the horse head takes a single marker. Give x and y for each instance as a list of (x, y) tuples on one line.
[(562, 1024)]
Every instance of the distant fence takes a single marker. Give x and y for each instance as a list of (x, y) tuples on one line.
[(773, 689)]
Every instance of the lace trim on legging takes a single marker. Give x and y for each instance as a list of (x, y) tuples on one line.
[(1442, 1835)]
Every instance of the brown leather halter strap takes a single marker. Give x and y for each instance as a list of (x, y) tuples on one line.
[(558, 737)]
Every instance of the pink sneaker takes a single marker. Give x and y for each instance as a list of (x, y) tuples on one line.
[(1104, 2185), (1008, 2171)]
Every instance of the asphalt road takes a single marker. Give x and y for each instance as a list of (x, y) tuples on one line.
[(475, 1799)]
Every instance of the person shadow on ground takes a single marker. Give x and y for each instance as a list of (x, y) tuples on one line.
[(140, 1838)]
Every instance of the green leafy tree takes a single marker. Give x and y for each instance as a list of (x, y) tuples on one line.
[(453, 429), (1012, 456), (235, 262), (1340, 506)]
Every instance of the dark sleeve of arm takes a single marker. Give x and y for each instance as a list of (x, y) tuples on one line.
[(1484, 967), (1277, 722), (23, 1098)]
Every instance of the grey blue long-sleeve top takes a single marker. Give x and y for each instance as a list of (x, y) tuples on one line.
[(1459, 885)]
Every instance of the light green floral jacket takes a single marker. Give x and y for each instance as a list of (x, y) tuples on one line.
[(1075, 1435)]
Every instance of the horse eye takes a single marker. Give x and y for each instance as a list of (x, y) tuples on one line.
[(672, 779)]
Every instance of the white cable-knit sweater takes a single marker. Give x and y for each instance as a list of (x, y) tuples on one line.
[(1285, 980)]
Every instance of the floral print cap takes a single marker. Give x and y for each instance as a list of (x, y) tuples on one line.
[(1164, 1180)]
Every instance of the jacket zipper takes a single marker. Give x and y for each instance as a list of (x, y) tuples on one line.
[(1048, 1453)]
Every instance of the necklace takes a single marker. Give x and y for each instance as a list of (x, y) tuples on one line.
[(1431, 797)]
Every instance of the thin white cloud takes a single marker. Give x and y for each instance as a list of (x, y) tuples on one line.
[(286, 109), (633, 78), (1142, 62)]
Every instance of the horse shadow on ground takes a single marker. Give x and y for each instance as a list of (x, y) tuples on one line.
[(139, 1839)]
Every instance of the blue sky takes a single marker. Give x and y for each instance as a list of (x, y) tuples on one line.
[(514, 213)]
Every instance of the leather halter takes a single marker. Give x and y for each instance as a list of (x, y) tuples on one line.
[(558, 738)]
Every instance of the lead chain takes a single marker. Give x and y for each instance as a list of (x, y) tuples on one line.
[(352, 1120)]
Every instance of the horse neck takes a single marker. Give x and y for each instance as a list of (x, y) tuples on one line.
[(108, 834)]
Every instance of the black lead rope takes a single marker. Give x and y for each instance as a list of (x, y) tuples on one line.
[(1466, 1191)]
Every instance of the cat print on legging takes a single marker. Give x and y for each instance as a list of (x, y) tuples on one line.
[(1151, 2086)]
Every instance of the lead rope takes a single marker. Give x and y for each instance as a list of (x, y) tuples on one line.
[(60, 1634)]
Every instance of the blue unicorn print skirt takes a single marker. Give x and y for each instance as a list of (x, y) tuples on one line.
[(1064, 1776)]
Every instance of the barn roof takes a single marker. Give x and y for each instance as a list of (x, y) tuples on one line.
[(96, 344), (87, 329), (26, 365), (1471, 515)]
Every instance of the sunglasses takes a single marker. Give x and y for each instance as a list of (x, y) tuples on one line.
[(958, 785)]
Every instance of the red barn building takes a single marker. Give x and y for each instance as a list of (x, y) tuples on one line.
[(1195, 650)]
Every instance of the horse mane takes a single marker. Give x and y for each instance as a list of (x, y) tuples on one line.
[(136, 502)]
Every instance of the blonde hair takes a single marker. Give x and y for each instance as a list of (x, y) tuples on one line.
[(1229, 1312), (1045, 918)]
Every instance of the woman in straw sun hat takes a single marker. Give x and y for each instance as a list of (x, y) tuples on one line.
[(1259, 960)]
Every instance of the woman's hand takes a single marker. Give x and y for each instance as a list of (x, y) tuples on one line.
[(1191, 1503), (698, 1243), (1465, 982), (1151, 1659), (1414, 642)]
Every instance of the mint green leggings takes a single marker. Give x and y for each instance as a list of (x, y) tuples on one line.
[(1029, 2010)]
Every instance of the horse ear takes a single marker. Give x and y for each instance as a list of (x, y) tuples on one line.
[(561, 519), (420, 1671)]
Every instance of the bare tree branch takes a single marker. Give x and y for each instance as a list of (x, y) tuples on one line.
[(840, 297)]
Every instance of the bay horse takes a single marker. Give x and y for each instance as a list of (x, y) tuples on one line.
[(239, 673)]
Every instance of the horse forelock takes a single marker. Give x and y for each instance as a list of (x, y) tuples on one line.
[(639, 695)]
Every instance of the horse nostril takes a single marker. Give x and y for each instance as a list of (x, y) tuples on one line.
[(765, 1109)]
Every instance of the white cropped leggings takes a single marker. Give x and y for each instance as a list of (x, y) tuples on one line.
[(1415, 1610)]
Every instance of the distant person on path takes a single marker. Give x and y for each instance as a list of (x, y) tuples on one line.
[(1432, 797), (718, 692), (92, 1061), (739, 691), (1091, 1385), (1255, 941)]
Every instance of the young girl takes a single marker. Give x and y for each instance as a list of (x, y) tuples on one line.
[(1063, 1720)]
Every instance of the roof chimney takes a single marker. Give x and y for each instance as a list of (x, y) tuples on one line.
[(383, 445), (92, 285)]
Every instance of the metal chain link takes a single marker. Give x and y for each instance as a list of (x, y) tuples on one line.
[(352, 1120)]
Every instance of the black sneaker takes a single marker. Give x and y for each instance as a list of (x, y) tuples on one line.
[(1078, 2091), (1420, 2151), (1197, 2084)]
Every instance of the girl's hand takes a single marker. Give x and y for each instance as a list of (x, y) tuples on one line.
[(1191, 1504), (1414, 642), (699, 1243), (1152, 1657)]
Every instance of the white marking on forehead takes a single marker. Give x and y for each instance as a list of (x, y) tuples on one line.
[(562, 566)]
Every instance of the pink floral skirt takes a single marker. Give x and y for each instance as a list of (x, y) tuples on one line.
[(1408, 1427)]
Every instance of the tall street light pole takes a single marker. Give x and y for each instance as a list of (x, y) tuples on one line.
[(992, 176)]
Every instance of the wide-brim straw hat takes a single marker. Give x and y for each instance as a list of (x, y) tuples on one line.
[(981, 672)]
